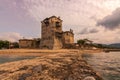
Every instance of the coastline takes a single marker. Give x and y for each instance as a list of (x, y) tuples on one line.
[(49, 65)]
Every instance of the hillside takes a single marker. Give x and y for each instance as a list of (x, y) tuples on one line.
[(115, 45)]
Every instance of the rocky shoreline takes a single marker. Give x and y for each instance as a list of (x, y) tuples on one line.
[(67, 65)]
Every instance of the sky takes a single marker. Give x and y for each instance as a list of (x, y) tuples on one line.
[(97, 20)]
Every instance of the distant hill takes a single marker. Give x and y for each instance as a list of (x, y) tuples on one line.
[(115, 45)]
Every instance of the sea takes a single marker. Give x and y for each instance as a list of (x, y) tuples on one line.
[(106, 64), (12, 58)]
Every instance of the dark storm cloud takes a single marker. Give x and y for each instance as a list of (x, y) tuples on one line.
[(111, 21), (88, 31), (84, 31), (93, 31)]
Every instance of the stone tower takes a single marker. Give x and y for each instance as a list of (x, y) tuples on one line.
[(51, 33)]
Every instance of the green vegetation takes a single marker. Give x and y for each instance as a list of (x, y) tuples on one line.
[(81, 42), (88, 44), (14, 45), (84, 43), (4, 44)]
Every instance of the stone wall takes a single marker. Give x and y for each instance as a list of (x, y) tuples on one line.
[(29, 43), (25, 43), (58, 43), (68, 37)]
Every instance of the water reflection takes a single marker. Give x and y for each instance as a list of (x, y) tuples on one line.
[(106, 63), (5, 58)]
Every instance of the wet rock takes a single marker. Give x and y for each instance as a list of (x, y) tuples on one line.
[(24, 76), (3, 71), (37, 69), (23, 68), (89, 78)]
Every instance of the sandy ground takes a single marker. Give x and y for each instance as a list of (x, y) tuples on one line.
[(38, 52), (49, 65)]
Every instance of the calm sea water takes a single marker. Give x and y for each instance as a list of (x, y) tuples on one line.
[(107, 64), (5, 58)]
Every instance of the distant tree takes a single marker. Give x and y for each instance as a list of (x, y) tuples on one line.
[(85, 43), (15, 44), (81, 42), (4, 44), (99, 46)]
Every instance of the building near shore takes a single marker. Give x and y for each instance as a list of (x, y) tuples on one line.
[(29, 43), (52, 36)]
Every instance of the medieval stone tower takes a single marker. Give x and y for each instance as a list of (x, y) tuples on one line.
[(50, 28), (52, 36)]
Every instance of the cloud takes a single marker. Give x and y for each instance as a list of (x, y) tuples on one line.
[(106, 37), (112, 21), (71, 11), (89, 31), (84, 31), (93, 31), (10, 36)]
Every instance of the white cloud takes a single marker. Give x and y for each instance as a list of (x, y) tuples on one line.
[(69, 10), (103, 36), (10, 36)]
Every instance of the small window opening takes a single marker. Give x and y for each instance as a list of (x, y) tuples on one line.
[(57, 24)]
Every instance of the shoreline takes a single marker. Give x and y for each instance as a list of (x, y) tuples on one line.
[(50, 64)]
